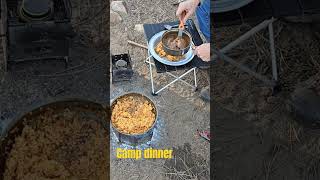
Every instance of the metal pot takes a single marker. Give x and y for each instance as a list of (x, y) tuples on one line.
[(173, 33), (95, 110), (135, 139)]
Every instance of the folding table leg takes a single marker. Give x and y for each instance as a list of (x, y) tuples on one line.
[(245, 36), (177, 79), (267, 23), (273, 53), (151, 76), (174, 76), (195, 79)]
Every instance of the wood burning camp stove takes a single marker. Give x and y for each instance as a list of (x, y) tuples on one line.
[(121, 67), (36, 29)]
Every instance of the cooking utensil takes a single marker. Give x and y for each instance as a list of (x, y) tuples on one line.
[(181, 26), (177, 45), (169, 27), (172, 34), (155, 40)]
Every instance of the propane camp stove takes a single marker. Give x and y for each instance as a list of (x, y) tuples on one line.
[(37, 29)]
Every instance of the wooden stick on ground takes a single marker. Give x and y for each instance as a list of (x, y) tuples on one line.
[(137, 44)]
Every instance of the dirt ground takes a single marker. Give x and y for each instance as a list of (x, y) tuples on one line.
[(261, 132)]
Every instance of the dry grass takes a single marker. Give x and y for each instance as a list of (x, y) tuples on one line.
[(298, 53), (90, 22)]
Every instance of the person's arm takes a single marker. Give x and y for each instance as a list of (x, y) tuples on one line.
[(189, 6)]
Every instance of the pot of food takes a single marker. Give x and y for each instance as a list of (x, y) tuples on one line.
[(156, 50), (174, 45), (54, 136), (133, 118)]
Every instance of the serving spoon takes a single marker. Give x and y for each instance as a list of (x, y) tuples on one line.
[(181, 25)]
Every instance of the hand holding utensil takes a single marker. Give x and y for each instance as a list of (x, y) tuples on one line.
[(181, 25)]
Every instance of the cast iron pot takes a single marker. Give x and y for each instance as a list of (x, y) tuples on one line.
[(173, 33), (135, 139)]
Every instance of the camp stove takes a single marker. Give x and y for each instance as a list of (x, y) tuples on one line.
[(121, 67), (38, 29)]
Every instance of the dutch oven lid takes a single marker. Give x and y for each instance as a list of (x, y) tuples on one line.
[(36, 8)]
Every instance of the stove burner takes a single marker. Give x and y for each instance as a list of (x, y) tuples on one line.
[(38, 30), (121, 64), (121, 67), (134, 140), (36, 10)]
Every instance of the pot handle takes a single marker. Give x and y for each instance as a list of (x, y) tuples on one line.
[(193, 48)]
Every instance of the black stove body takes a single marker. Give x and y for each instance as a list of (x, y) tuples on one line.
[(121, 73), (38, 30)]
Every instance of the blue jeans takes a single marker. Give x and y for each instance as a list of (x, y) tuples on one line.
[(203, 16)]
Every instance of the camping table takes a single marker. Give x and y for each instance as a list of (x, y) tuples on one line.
[(266, 12), (162, 69), (265, 24)]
